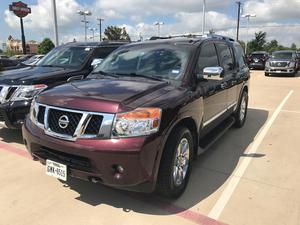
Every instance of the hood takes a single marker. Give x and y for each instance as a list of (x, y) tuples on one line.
[(103, 95), (281, 60), (30, 75)]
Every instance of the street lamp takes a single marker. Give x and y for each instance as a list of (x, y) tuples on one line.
[(93, 31), (203, 20), (158, 24), (100, 27), (248, 21), (84, 14)]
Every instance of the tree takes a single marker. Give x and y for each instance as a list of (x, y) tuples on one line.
[(294, 46), (271, 46), (115, 33), (258, 43), (45, 46)]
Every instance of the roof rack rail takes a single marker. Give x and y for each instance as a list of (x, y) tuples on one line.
[(221, 37)]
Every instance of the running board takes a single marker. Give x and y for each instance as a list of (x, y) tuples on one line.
[(209, 139)]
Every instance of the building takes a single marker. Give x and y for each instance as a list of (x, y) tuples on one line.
[(16, 46)]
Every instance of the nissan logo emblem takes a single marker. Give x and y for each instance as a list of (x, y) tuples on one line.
[(63, 122)]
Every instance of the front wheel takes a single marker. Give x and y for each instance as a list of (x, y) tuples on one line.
[(241, 113), (176, 162)]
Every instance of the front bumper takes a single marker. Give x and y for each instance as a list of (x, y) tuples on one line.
[(99, 158), (12, 114), (257, 65), (280, 70)]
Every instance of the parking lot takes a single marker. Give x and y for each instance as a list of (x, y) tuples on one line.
[(250, 176)]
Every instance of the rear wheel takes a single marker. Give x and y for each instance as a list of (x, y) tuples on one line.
[(241, 113), (176, 162)]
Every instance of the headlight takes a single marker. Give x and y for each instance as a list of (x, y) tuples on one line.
[(267, 64), (27, 92), (140, 122), (292, 64)]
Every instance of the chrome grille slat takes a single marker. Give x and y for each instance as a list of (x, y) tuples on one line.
[(104, 129), (7, 92)]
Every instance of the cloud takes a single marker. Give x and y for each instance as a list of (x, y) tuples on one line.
[(272, 10), (42, 17)]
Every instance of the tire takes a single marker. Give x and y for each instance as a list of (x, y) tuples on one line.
[(167, 184), (267, 74), (241, 114)]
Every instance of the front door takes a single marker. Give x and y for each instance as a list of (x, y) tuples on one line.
[(214, 89)]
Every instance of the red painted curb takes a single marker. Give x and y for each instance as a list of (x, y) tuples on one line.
[(15, 150), (187, 214)]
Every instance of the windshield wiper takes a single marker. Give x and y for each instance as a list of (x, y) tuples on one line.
[(156, 78), (100, 72)]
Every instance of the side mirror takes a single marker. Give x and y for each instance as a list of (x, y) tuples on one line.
[(213, 71), (96, 62), (79, 77)]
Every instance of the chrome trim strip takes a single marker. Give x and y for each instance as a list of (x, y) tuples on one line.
[(104, 131), (219, 114)]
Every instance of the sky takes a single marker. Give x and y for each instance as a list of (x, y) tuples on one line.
[(279, 18)]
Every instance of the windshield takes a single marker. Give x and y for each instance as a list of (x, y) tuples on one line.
[(282, 55), (164, 61), (258, 56), (66, 56)]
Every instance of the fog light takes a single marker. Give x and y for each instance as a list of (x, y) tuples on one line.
[(118, 171)]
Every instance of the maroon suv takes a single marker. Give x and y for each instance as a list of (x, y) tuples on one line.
[(143, 115)]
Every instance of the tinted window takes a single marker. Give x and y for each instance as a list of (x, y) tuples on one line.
[(240, 56), (283, 55), (103, 52), (207, 58), (225, 57), (66, 56)]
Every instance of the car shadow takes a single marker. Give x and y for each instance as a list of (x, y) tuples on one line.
[(11, 136), (210, 171)]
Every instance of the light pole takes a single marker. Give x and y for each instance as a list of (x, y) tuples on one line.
[(100, 27), (203, 20), (93, 31), (158, 24), (238, 20), (55, 22), (248, 21), (84, 14)]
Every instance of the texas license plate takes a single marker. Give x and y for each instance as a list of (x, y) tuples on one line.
[(57, 170)]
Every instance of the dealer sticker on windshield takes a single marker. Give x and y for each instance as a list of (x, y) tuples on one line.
[(57, 170)]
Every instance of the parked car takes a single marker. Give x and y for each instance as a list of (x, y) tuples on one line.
[(283, 63), (3, 57), (62, 64), (141, 117), (33, 60), (257, 60), (8, 64)]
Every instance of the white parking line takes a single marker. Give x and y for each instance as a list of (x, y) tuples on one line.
[(239, 172)]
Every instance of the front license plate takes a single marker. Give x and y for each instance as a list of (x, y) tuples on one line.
[(278, 71), (56, 170)]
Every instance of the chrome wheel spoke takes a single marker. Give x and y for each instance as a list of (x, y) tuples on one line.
[(181, 162)]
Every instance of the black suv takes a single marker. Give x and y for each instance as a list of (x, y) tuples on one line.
[(141, 117), (64, 63), (257, 60)]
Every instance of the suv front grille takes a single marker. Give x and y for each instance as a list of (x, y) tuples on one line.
[(41, 114), (278, 64), (54, 117), (70, 124), (94, 125)]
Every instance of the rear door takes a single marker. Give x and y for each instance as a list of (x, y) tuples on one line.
[(214, 95), (229, 82)]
